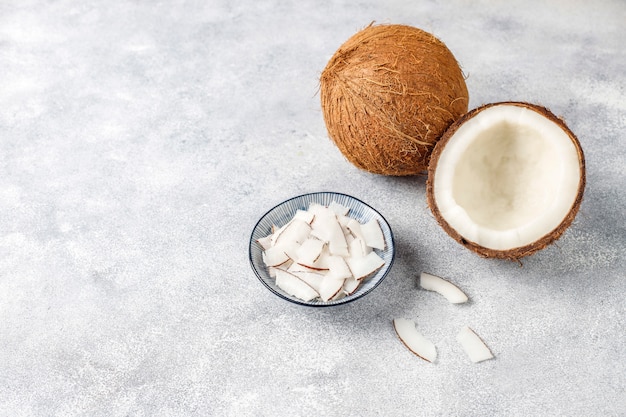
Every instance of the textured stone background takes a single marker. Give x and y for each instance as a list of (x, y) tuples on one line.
[(140, 141)]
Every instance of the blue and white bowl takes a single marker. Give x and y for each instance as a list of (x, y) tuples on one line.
[(284, 212)]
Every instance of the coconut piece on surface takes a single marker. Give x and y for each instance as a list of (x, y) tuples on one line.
[(293, 285), (473, 345), (414, 340), (450, 291)]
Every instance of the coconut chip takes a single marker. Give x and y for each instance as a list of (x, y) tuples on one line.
[(450, 291), (414, 340), (473, 345)]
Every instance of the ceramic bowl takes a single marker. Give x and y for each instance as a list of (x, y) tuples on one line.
[(284, 212)]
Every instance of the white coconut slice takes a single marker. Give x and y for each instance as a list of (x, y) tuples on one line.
[(316, 208), (314, 279), (355, 228), (276, 232), (373, 234), (358, 248), (265, 242), (506, 180), (343, 221), (322, 261), (296, 267), (275, 256), (473, 345), (271, 270), (330, 287), (293, 285), (350, 285), (414, 340), (363, 266), (338, 208), (327, 228), (323, 225), (295, 231), (320, 264), (338, 267), (338, 245), (450, 291), (291, 250), (309, 251), (305, 216), (341, 294)]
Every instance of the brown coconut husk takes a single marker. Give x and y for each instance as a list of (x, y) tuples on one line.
[(388, 94), (520, 252)]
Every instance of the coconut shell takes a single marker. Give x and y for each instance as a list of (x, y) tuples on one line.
[(388, 94), (519, 252)]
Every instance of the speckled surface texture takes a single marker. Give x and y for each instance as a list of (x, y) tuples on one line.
[(141, 141)]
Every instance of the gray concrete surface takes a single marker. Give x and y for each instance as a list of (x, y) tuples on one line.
[(140, 142)]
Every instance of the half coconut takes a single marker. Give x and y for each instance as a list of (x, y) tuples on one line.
[(506, 179)]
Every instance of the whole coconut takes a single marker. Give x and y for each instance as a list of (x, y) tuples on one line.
[(388, 94)]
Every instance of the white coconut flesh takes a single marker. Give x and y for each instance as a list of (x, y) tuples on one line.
[(507, 177)]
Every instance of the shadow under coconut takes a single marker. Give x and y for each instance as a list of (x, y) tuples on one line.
[(407, 181)]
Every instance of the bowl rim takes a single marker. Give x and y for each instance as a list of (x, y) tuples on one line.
[(346, 299)]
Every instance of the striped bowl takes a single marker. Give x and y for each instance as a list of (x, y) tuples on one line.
[(283, 212)]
